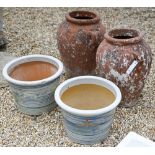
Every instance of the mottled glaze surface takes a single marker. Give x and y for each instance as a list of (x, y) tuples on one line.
[(78, 40), (126, 62)]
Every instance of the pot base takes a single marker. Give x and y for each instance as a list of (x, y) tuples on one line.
[(36, 111), (79, 140), (128, 104), (71, 74)]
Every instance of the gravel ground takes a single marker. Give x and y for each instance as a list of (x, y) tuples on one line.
[(33, 30)]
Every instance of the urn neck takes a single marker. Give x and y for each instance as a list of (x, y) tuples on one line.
[(82, 17), (123, 36)]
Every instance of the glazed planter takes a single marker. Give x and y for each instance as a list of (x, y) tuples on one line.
[(87, 126), (125, 58), (78, 38), (34, 97)]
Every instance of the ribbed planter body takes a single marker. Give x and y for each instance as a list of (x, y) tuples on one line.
[(125, 58), (35, 100), (34, 97), (88, 129), (78, 38), (87, 126)]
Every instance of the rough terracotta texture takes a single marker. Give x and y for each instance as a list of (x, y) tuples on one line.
[(125, 58), (78, 38)]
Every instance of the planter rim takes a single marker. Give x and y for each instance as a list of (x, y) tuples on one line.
[(87, 112), (95, 18), (138, 36), (37, 82)]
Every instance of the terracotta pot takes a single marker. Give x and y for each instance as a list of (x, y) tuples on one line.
[(87, 126), (34, 97), (78, 38), (125, 58)]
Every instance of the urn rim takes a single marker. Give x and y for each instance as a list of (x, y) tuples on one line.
[(123, 36), (82, 17)]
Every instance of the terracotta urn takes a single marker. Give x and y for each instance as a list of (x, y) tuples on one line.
[(78, 38), (125, 58)]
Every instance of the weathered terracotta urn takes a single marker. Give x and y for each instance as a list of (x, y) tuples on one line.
[(125, 58), (78, 38)]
